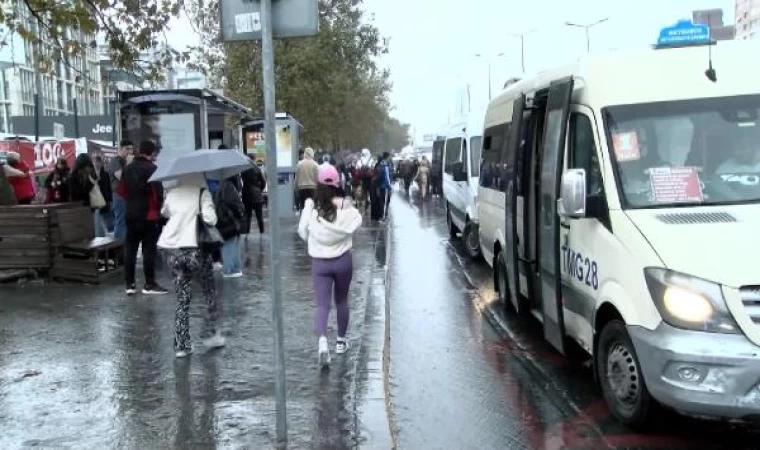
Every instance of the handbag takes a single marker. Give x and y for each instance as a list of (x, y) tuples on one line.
[(208, 237), (97, 201)]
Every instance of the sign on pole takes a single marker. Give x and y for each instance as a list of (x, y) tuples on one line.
[(59, 132), (250, 20), (241, 20)]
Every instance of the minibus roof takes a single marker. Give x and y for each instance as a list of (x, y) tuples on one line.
[(646, 76)]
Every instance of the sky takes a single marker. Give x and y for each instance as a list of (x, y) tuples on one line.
[(433, 45)]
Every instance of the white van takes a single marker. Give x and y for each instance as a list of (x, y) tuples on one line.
[(461, 172), (629, 188)]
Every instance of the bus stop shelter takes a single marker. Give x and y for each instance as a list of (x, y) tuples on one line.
[(181, 120)]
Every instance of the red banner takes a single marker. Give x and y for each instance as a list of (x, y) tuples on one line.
[(42, 156)]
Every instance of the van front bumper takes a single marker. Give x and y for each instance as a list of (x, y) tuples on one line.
[(698, 373)]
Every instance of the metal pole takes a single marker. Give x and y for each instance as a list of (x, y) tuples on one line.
[(588, 41), (37, 82), (522, 51), (274, 238), (76, 119), (489, 80)]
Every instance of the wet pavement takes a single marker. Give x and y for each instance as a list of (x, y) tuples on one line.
[(86, 367), (463, 373)]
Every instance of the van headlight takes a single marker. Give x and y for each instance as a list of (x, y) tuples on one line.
[(688, 302)]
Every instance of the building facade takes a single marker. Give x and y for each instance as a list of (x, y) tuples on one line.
[(713, 18), (62, 79), (747, 19)]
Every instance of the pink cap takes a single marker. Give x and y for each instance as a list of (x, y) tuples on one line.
[(328, 175)]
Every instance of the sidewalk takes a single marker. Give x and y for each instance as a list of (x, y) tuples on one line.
[(86, 367)]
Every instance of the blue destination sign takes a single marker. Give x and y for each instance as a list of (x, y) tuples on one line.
[(683, 34)]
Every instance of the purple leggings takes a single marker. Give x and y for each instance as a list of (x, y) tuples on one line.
[(325, 273)]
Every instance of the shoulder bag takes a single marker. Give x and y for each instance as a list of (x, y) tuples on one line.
[(208, 237)]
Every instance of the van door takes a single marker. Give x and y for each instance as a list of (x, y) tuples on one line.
[(552, 160), (510, 207)]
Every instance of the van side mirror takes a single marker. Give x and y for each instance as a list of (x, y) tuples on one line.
[(573, 192)]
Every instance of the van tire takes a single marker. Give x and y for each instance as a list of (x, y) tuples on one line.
[(468, 235), (453, 231), (626, 393)]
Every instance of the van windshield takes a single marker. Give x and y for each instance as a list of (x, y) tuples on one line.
[(475, 156), (690, 152)]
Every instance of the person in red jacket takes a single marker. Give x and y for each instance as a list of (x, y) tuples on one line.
[(22, 186)]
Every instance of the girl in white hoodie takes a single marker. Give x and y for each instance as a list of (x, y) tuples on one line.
[(328, 227)]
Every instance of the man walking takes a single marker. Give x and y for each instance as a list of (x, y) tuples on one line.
[(306, 177), (115, 169), (143, 208), (385, 184)]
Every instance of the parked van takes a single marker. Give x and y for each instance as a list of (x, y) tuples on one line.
[(620, 205), (461, 172)]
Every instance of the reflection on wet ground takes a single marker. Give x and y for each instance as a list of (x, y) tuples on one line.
[(86, 367), (459, 382)]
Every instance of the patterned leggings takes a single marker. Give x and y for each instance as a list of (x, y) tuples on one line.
[(185, 263)]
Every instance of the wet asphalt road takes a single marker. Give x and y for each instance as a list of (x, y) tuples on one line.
[(456, 381), (86, 367)]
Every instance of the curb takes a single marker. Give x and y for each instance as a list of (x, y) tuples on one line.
[(368, 389)]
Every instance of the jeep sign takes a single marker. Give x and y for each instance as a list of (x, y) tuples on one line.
[(95, 128)]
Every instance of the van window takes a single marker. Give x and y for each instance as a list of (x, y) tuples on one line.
[(492, 167), (453, 154), (462, 166), (686, 152), (583, 151), (475, 156)]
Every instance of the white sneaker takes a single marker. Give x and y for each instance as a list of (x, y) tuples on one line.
[(215, 341), (324, 352), (183, 353), (342, 346), (233, 275)]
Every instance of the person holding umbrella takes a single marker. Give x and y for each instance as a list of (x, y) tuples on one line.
[(186, 203), (189, 207)]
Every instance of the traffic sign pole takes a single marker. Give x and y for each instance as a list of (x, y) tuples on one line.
[(274, 234)]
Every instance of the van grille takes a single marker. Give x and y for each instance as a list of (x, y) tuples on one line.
[(696, 218), (751, 300)]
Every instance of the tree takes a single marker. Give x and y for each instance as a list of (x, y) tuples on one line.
[(330, 82), (64, 30)]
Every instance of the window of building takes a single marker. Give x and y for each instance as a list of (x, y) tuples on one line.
[(59, 94)]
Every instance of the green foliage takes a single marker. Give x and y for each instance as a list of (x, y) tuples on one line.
[(330, 82), (66, 29)]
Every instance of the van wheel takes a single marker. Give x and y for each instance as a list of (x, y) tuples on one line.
[(471, 240), (453, 231), (503, 283), (620, 375)]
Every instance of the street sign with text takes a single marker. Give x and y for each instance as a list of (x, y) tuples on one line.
[(241, 19)]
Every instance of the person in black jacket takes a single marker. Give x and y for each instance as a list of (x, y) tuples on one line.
[(82, 180), (104, 183), (254, 184), (231, 221), (143, 212), (57, 183)]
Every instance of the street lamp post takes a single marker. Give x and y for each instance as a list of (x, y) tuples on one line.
[(478, 55), (522, 45), (587, 27)]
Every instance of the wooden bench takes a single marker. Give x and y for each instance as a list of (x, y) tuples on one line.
[(25, 236), (78, 254)]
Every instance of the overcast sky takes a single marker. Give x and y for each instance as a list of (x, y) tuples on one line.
[(433, 44)]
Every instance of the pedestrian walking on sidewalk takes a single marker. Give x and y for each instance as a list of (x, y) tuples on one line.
[(423, 177), (328, 225), (386, 184), (231, 222), (306, 178), (185, 204), (115, 169), (254, 184), (143, 209)]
